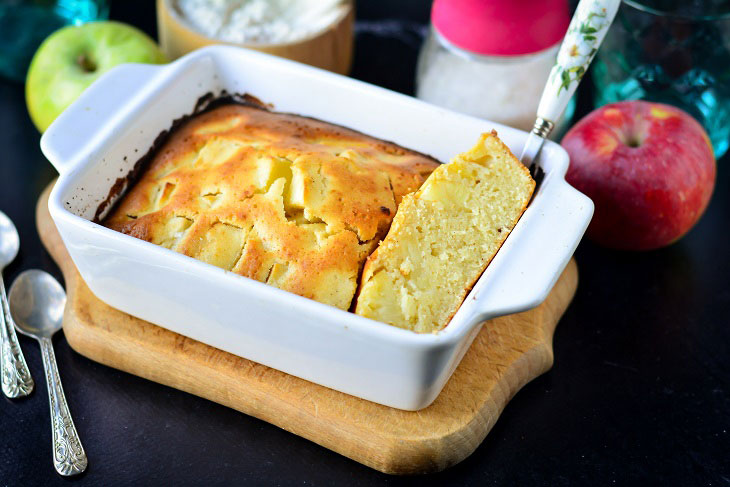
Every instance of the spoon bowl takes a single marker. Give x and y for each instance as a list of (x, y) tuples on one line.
[(9, 241), (37, 301)]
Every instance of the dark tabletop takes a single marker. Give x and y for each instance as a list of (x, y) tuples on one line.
[(639, 393)]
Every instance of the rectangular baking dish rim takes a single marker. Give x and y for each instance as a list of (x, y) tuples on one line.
[(449, 336)]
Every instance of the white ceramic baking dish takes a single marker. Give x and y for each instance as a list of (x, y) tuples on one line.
[(101, 136)]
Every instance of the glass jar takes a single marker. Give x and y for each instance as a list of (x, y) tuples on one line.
[(670, 52), (503, 89), (24, 24)]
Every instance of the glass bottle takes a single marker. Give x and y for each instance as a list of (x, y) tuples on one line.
[(672, 52), (24, 24), (475, 62)]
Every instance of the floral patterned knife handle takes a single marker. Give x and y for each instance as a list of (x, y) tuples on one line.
[(587, 29)]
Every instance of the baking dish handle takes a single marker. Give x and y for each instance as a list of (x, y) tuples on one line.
[(524, 280), (69, 138)]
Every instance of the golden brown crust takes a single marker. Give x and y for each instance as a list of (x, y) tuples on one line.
[(294, 202)]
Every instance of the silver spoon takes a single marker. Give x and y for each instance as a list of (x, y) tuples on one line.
[(16, 379), (37, 301)]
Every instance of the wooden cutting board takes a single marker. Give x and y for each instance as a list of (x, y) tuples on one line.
[(508, 352)]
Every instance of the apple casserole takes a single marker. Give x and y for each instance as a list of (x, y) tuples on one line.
[(444, 236), (301, 205), (290, 201)]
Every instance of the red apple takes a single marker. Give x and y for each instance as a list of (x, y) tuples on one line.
[(648, 167)]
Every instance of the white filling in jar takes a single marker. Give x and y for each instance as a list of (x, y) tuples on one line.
[(503, 89), (260, 21)]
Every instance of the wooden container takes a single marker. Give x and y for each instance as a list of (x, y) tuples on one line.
[(329, 49)]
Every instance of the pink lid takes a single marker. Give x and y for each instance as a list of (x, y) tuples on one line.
[(501, 27)]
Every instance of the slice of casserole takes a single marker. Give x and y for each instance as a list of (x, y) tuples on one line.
[(443, 237), (290, 201)]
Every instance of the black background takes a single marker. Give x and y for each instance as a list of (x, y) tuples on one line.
[(639, 394)]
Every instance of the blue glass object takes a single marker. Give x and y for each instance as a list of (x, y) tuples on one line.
[(671, 51), (24, 24)]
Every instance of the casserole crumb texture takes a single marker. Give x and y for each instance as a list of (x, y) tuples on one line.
[(443, 237), (290, 201)]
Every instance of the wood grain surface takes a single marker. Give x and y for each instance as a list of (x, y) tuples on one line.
[(507, 353)]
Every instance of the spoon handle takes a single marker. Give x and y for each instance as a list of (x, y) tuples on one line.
[(587, 29), (69, 457), (16, 379)]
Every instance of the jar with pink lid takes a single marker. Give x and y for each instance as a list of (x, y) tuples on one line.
[(491, 58)]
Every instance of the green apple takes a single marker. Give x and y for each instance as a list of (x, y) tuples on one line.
[(71, 58)]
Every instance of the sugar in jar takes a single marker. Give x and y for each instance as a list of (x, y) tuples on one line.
[(491, 58)]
